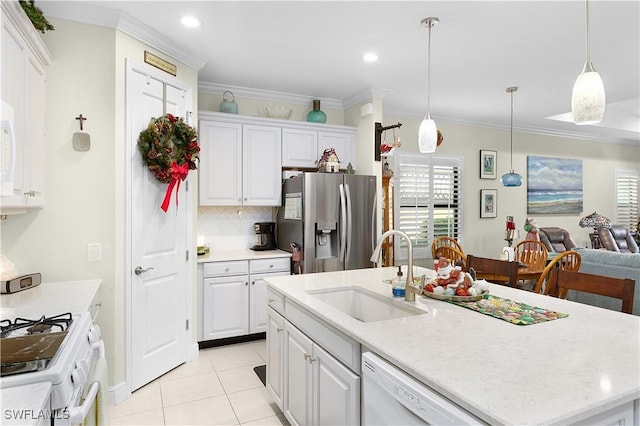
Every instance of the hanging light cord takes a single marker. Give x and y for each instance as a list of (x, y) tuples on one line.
[(511, 93), (586, 8), (429, 73)]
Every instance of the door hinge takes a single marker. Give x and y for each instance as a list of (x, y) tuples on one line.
[(187, 256), (187, 324)]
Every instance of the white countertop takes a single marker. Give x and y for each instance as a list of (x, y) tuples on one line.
[(25, 405), (247, 254), (560, 371), (50, 298)]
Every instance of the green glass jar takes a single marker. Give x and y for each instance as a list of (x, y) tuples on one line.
[(316, 115)]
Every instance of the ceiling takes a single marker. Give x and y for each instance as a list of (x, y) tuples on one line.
[(314, 49)]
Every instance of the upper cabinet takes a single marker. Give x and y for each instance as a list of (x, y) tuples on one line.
[(303, 147), (24, 59), (240, 164), (241, 158)]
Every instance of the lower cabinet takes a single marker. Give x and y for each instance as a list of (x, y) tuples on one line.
[(309, 384), (233, 296)]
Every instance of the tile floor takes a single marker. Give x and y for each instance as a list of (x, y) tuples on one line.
[(219, 388)]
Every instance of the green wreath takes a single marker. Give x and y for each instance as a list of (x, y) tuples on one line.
[(169, 148)]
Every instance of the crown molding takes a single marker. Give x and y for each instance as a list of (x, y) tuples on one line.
[(22, 24), (94, 15), (365, 95), (267, 95)]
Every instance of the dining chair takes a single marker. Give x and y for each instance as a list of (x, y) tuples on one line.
[(444, 241), (619, 288), (534, 255), (567, 260), (456, 256), (494, 270)]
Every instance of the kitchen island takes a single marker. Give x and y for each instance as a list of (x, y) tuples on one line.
[(569, 370)]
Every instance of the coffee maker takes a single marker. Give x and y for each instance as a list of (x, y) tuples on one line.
[(265, 237)]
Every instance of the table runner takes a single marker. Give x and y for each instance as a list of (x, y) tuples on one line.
[(514, 312)]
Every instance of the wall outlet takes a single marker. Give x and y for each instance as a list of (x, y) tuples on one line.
[(94, 252)]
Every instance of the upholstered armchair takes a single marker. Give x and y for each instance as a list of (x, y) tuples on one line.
[(618, 238), (556, 239)]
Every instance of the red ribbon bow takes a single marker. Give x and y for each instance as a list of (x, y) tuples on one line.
[(178, 174)]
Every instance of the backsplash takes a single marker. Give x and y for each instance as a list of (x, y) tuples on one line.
[(230, 228)]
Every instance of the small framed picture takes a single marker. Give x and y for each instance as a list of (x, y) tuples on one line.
[(488, 164), (488, 203)]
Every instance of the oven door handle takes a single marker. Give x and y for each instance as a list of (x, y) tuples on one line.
[(78, 414)]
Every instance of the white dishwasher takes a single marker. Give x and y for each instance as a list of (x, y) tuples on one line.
[(391, 397)]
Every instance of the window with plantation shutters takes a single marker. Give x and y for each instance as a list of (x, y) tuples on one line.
[(627, 210), (427, 201)]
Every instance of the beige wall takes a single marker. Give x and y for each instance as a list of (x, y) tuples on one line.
[(85, 191)]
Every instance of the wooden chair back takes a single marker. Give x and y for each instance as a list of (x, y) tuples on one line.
[(494, 270), (453, 254), (619, 288), (567, 260), (444, 242), (532, 253)]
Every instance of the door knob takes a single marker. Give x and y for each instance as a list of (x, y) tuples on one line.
[(140, 271)]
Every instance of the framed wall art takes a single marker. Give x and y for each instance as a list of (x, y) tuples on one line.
[(488, 203), (488, 164), (554, 185)]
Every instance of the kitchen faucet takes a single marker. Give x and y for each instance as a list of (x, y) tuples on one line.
[(409, 289)]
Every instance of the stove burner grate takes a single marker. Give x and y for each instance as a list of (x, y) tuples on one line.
[(42, 325)]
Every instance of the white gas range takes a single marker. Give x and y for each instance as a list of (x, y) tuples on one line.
[(60, 348)]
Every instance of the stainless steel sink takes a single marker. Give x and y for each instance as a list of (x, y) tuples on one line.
[(364, 305)]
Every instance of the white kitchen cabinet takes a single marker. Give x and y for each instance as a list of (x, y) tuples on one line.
[(299, 148), (233, 296), (261, 165), (24, 59), (343, 143), (303, 148), (239, 164), (312, 369), (275, 356)]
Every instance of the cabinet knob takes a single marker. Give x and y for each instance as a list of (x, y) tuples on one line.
[(253, 282), (271, 301), (226, 269), (245, 198), (278, 329), (270, 266), (246, 283), (309, 358)]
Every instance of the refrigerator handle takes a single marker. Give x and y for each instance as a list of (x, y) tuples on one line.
[(343, 224), (373, 221), (349, 221)]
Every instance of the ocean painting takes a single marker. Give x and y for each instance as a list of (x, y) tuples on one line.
[(554, 185)]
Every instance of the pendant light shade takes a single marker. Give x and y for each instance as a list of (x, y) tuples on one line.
[(511, 178), (428, 132), (588, 97)]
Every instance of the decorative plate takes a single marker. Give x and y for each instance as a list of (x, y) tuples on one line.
[(455, 298)]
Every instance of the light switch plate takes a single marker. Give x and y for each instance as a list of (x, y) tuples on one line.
[(94, 252)]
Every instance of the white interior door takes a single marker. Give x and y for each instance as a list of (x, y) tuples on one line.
[(158, 308)]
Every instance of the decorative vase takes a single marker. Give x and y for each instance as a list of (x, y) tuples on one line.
[(316, 115), (228, 106)]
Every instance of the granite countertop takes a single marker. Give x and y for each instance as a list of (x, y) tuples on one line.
[(247, 254), (560, 371)]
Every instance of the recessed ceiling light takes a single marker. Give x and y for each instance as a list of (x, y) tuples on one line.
[(190, 21), (370, 57)]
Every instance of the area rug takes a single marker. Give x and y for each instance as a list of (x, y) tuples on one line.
[(261, 371)]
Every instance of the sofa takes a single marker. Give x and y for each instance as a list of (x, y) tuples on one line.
[(611, 264)]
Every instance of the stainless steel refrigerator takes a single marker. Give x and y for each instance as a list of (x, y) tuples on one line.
[(328, 221)]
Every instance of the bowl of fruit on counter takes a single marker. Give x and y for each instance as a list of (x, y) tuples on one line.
[(451, 283)]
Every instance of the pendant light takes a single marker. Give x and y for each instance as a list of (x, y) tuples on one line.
[(588, 97), (428, 132), (511, 178)]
